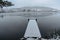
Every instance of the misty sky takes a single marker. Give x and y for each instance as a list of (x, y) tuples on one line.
[(47, 3)]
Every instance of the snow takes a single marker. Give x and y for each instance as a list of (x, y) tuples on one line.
[(32, 29)]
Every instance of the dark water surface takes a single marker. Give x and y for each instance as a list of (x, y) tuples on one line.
[(13, 27)]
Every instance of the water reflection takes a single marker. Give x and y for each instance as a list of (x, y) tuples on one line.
[(12, 26)]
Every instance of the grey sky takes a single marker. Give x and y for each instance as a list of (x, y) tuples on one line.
[(48, 3)]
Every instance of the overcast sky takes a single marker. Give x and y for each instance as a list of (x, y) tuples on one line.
[(47, 3)]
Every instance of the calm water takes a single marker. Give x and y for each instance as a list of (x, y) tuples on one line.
[(14, 26)]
